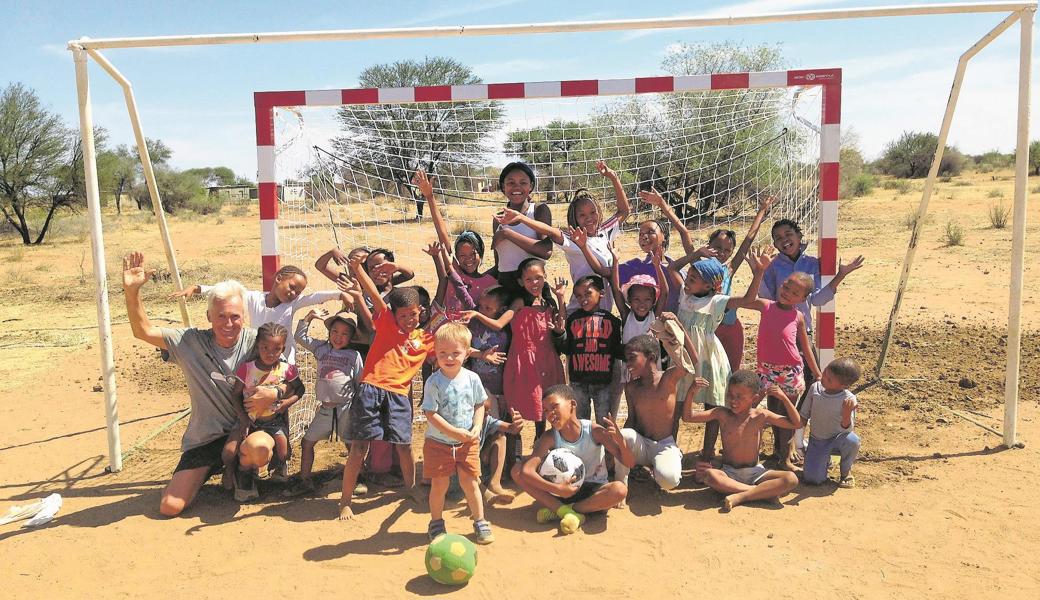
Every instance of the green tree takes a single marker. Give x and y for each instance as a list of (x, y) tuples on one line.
[(41, 163), (911, 156), (176, 188), (1034, 157), (214, 176), (117, 172), (388, 142)]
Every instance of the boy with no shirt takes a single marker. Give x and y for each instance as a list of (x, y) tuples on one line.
[(742, 478), (652, 410)]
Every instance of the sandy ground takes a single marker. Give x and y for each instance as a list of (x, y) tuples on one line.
[(939, 509)]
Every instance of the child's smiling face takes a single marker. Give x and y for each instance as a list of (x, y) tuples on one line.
[(650, 236), (695, 285), (787, 240), (588, 296), (533, 279), (641, 299), (792, 291), (517, 187)]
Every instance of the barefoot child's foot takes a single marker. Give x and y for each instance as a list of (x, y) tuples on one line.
[(416, 494), (496, 494), (345, 514)]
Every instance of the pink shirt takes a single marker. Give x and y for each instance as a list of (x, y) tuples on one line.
[(475, 286), (778, 336)]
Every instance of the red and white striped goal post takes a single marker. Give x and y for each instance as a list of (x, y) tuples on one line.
[(829, 80)]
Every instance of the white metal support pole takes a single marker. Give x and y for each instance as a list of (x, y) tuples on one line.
[(97, 246), (929, 183), (149, 176), (1018, 243)]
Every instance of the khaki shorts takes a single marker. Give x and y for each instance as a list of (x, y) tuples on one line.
[(322, 424), (442, 460)]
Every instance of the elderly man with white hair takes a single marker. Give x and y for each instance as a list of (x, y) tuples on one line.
[(208, 358)]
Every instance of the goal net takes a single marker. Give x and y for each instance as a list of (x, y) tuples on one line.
[(336, 165)]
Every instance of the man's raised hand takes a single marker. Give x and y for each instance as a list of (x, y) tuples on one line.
[(134, 273)]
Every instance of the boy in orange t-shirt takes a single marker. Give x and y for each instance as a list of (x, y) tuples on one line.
[(382, 409)]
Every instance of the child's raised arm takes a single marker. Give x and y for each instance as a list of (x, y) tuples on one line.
[(422, 181), (793, 420), (187, 292), (764, 204), (434, 250), (624, 208), (615, 283), (843, 271), (322, 264), (657, 257), (580, 238), (701, 416), (759, 261), (367, 286), (653, 198)]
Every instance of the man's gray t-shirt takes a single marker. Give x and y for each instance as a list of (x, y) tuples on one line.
[(824, 411), (196, 352)]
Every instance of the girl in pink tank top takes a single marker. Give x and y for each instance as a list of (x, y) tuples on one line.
[(781, 332)]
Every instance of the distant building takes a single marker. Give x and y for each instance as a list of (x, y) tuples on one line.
[(234, 193)]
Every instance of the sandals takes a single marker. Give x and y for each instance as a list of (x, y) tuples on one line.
[(482, 529), (436, 529)]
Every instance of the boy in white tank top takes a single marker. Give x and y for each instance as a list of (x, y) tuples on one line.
[(566, 502)]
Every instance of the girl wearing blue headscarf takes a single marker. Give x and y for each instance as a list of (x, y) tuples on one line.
[(701, 309)]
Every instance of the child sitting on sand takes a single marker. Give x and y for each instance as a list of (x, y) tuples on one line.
[(651, 410), (742, 478), (831, 408), (563, 501)]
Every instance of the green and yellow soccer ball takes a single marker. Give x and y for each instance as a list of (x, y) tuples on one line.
[(451, 559)]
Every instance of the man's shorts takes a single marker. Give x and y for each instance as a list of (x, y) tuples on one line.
[(378, 414), (443, 460), (206, 455), (326, 419), (746, 475), (586, 491)]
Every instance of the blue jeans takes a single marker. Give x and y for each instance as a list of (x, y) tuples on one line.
[(818, 455), (592, 396)]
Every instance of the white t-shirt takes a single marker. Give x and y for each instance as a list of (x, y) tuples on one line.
[(509, 254), (259, 313), (599, 246)]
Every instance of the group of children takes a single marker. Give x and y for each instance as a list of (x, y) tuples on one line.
[(489, 345)]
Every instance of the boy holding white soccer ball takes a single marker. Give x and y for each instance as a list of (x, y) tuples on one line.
[(569, 502)]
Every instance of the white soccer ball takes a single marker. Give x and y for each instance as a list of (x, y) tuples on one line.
[(562, 466)]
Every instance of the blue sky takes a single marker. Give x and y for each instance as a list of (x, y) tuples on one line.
[(897, 71)]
